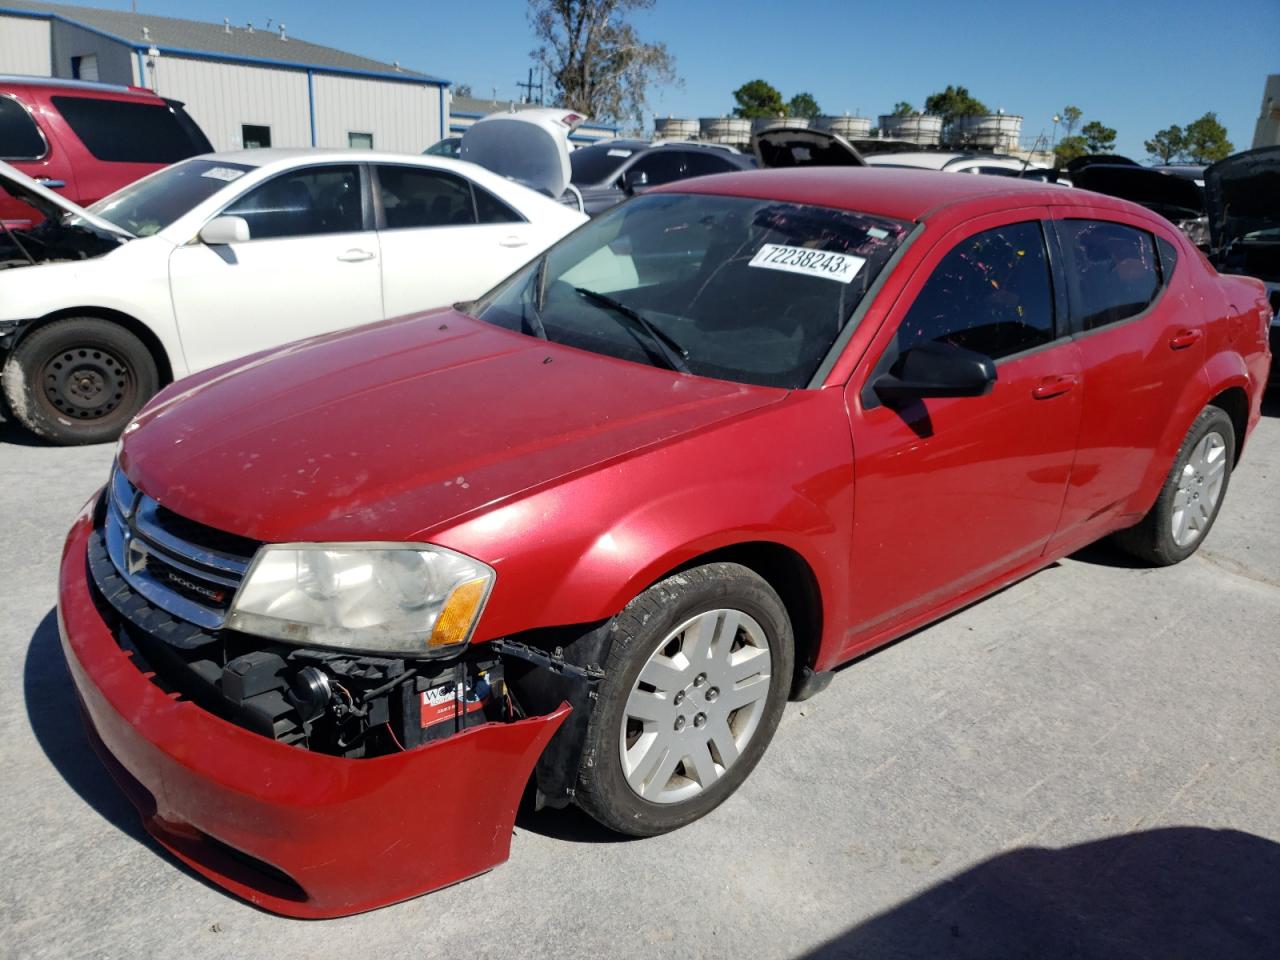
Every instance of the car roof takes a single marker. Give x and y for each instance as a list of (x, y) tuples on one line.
[(897, 193), (83, 86), (289, 156)]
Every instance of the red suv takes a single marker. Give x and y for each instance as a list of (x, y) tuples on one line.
[(87, 140)]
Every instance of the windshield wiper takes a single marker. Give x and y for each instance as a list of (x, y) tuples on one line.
[(669, 347), (535, 321)]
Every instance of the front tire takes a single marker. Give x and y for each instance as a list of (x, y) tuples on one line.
[(79, 380), (695, 683), (1191, 497)]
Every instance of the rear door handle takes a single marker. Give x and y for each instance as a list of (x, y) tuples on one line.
[(355, 256), (1185, 339), (51, 183), (1055, 386), (513, 242)]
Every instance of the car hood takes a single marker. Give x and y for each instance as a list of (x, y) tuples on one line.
[(388, 431), (1170, 196), (802, 147), (51, 206), (530, 147), (1242, 195)]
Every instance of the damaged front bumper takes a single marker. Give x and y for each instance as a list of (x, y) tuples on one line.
[(295, 832)]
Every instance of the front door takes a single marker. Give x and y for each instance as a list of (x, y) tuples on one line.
[(952, 493), (309, 267)]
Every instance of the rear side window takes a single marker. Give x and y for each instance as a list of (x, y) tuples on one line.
[(991, 293), (20, 139), (1112, 269), (120, 132), (424, 198), (702, 164), (303, 203), (489, 209), (661, 166)]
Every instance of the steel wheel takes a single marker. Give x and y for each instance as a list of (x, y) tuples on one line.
[(1199, 489), (695, 706), (86, 383)]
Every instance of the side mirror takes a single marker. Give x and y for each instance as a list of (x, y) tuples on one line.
[(633, 181), (932, 369), (223, 230)]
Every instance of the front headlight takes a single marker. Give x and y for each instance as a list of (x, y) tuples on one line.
[(415, 600)]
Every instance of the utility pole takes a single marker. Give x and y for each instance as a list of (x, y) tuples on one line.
[(529, 86)]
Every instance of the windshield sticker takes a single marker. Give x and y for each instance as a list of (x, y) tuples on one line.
[(842, 267), (619, 153), (223, 173), (876, 233)]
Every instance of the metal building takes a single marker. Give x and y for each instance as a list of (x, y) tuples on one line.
[(245, 86)]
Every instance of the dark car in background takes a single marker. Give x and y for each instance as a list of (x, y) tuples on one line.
[(87, 140), (607, 173)]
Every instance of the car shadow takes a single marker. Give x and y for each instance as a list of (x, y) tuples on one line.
[(570, 824), (1271, 402), (1173, 892), (1104, 553), (12, 432)]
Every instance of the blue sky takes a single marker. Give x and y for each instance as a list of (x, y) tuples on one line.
[(1137, 67)]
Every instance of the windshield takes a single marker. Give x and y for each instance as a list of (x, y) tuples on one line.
[(151, 204), (754, 291), (599, 163)]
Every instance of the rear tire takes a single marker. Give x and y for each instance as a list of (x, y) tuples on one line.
[(695, 683), (1191, 497), (79, 380)]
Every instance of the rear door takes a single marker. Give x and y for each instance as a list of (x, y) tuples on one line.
[(310, 266), (443, 238), (1140, 342), (953, 493)]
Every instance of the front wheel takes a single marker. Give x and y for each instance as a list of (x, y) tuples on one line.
[(695, 683), (1192, 494), (79, 380)]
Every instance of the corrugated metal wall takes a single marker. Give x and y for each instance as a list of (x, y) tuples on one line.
[(224, 96), (25, 46), (404, 117), (115, 60)]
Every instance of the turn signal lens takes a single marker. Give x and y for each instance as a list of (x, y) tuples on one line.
[(461, 611)]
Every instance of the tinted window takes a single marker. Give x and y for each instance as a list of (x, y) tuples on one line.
[(1168, 258), (424, 198), (991, 293), (19, 138), (1112, 270), (154, 202), (489, 209), (121, 132), (303, 203), (661, 166), (701, 164), (598, 163)]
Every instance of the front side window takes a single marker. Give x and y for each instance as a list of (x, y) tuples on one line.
[(698, 164), (300, 203), (1112, 270), (992, 293), (20, 138), (152, 203), (121, 132), (753, 291)]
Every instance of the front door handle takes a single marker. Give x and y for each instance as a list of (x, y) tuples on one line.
[(513, 242), (51, 183), (1185, 338), (1055, 386), (355, 256)]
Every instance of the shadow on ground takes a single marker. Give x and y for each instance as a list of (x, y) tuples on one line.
[(1180, 892), (1271, 403)]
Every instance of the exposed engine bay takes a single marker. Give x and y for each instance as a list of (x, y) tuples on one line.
[(50, 241)]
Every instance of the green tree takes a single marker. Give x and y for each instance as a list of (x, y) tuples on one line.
[(953, 103), (904, 109), (1166, 145), (757, 98), (1205, 140), (1098, 138), (597, 62), (1070, 120), (1069, 148), (462, 89), (803, 105)]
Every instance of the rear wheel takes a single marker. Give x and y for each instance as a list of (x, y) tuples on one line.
[(696, 682), (1191, 496), (79, 380)]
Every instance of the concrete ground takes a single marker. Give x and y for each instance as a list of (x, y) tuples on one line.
[(1087, 764)]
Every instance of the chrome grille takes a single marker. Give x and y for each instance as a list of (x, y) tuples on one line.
[(181, 566)]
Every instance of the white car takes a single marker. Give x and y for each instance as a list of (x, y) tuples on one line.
[(230, 253), (988, 163)]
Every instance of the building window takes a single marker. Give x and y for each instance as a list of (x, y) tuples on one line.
[(85, 67), (253, 136), (360, 141)]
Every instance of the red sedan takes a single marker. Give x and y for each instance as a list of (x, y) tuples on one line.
[(340, 603)]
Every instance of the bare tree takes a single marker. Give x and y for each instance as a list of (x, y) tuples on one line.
[(596, 61)]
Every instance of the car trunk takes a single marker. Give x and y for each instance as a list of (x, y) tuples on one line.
[(801, 147)]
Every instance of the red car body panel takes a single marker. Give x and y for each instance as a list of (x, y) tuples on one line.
[(582, 480)]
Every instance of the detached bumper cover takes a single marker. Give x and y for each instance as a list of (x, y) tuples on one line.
[(297, 833)]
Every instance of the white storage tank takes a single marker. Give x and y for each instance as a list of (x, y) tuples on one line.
[(735, 131), (997, 131), (675, 128), (924, 130), (848, 127)]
